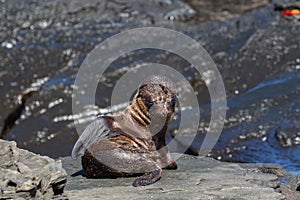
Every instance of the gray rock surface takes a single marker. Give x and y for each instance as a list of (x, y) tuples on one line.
[(25, 175), (196, 178)]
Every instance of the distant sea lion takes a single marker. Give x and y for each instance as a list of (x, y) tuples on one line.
[(132, 142)]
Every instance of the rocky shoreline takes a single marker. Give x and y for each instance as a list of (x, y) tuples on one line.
[(27, 175), (44, 43)]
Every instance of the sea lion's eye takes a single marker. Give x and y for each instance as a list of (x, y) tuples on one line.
[(149, 102)]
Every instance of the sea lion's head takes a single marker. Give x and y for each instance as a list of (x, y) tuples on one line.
[(158, 94)]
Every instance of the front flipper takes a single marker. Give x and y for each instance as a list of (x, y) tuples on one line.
[(97, 130), (148, 178), (171, 166)]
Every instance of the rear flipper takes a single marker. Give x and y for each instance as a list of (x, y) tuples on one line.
[(148, 178)]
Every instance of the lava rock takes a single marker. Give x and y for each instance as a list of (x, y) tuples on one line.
[(27, 175)]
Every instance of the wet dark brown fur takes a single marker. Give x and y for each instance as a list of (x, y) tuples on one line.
[(132, 142)]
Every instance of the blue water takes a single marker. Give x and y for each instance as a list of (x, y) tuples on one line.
[(271, 107)]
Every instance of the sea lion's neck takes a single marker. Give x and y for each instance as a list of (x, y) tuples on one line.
[(139, 112)]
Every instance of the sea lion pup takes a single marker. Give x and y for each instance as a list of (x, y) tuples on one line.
[(132, 142)]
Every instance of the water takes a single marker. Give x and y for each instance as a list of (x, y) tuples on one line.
[(257, 53), (265, 124)]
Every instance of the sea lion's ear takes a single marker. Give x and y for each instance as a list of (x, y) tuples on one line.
[(95, 131)]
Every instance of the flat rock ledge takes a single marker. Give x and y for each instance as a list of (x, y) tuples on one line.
[(196, 178), (25, 175)]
